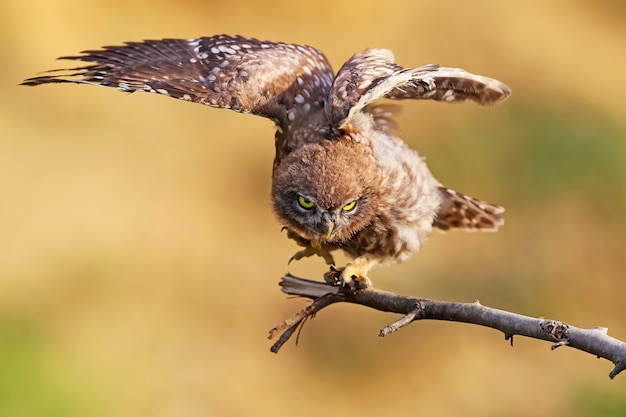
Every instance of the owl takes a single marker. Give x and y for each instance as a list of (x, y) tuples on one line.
[(340, 178)]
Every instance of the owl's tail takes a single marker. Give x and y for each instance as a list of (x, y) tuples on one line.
[(293, 285)]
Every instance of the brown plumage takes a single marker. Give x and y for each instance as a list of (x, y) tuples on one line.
[(341, 180)]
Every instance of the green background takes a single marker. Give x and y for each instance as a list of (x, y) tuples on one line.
[(139, 257)]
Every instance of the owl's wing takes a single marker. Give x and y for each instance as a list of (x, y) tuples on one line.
[(279, 81), (458, 211), (372, 74), (356, 79)]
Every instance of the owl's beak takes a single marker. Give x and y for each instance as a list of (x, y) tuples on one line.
[(328, 224)]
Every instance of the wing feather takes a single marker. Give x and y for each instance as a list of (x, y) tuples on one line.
[(372, 74), (276, 80)]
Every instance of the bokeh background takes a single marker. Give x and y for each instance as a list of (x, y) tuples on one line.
[(139, 257)]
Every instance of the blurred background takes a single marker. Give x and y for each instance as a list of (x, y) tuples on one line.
[(139, 256)]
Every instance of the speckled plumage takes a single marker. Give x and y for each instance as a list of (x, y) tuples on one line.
[(341, 180)]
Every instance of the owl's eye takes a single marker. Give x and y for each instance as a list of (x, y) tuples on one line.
[(305, 203), (350, 206)]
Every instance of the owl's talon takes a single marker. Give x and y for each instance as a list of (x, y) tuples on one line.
[(310, 248), (310, 251), (332, 276), (304, 253), (356, 282), (349, 276)]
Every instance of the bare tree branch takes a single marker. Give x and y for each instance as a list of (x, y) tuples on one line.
[(595, 341)]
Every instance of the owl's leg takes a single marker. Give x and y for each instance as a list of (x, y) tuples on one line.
[(354, 274), (310, 249)]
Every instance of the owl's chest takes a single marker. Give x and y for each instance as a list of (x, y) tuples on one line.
[(388, 240), (404, 215)]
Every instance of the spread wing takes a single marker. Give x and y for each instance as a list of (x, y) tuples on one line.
[(373, 74), (279, 81), (459, 211)]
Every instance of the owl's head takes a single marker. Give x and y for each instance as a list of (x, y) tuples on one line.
[(326, 192)]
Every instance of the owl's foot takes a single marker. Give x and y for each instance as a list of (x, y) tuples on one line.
[(310, 249), (351, 276)]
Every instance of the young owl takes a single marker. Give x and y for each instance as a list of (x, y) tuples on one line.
[(341, 180)]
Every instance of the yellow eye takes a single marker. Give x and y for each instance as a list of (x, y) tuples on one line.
[(305, 203), (350, 206)]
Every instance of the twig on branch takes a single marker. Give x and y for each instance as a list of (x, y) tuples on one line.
[(595, 341)]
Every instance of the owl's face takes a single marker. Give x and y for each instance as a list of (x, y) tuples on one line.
[(322, 222), (326, 193)]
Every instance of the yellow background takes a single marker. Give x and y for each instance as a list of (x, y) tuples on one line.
[(139, 257)]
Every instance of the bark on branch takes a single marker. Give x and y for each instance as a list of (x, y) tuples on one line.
[(595, 341)]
